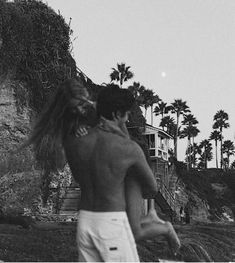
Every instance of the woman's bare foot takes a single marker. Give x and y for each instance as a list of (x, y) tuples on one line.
[(172, 239), (152, 217)]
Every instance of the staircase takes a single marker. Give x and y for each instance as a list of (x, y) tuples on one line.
[(166, 180), (71, 200), (165, 200)]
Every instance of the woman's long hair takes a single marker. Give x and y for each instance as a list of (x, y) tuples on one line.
[(61, 117)]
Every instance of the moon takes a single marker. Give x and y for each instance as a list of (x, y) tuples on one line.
[(163, 74)]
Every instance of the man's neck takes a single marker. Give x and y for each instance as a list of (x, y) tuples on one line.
[(114, 126)]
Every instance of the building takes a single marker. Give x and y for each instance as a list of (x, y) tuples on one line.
[(159, 143)]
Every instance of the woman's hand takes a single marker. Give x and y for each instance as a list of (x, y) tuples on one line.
[(81, 131)]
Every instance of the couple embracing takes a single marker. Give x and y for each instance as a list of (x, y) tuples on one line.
[(110, 168)]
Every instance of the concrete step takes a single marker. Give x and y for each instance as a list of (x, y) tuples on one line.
[(72, 195)]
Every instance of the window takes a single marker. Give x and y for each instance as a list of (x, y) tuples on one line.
[(151, 140), (151, 144), (162, 143), (159, 154), (164, 156)]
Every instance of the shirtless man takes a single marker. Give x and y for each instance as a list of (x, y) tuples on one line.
[(100, 161)]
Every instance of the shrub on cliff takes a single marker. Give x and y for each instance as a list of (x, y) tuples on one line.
[(35, 47)]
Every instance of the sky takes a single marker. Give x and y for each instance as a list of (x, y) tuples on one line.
[(182, 49)]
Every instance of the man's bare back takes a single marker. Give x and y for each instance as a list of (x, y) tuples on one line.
[(99, 162)]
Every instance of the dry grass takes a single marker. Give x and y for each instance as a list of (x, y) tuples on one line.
[(57, 242), (200, 243)]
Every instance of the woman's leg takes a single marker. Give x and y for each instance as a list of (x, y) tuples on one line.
[(149, 226)]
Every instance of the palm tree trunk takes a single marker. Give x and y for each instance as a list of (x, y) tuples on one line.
[(176, 139), (193, 161), (205, 159), (188, 155), (221, 150), (151, 115), (121, 81), (216, 154)]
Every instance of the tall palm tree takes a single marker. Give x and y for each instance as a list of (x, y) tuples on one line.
[(228, 148), (147, 96), (137, 90), (134, 89), (171, 129), (194, 132), (194, 151), (186, 132), (170, 125), (153, 100), (206, 152), (216, 136), (161, 109), (190, 131), (179, 107), (121, 74), (220, 122), (189, 120)]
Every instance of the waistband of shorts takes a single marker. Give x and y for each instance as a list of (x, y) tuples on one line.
[(100, 215)]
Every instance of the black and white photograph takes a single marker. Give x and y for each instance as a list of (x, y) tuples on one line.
[(117, 131)]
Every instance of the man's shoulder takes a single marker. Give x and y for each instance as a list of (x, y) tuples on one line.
[(128, 146)]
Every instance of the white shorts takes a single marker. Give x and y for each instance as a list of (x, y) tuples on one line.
[(105, 236)]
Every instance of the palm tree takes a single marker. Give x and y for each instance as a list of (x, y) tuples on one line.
[(190, 131), (189, 120), (134, 89), (167, 121), (137, 90), (121, 74), (228, 148), (179, 107), (161, 109), (147, 96), (171, 129), (170, 125), (220, 122), (186, 132), (205, 152), (153, 100), (194, 151), (216, 136), (194, 132)]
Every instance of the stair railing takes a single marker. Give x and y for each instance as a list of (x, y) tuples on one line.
[(168, 196)]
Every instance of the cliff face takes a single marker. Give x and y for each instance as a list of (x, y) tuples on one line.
[(199, 207), (14, 128), (34, 59), (209, 193)]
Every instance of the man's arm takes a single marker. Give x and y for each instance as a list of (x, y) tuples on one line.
[(143, 173)]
